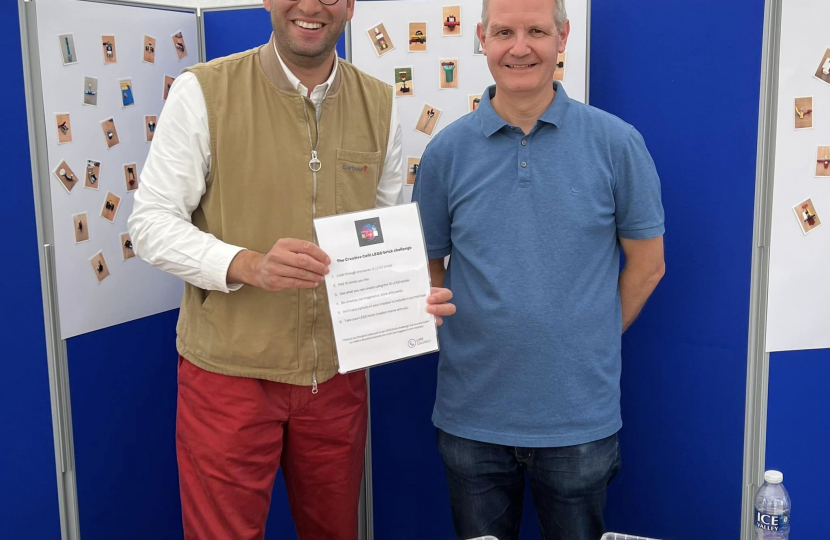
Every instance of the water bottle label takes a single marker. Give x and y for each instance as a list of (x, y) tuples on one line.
[(772, 522)]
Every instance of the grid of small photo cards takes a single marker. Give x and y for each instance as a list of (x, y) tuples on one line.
[(105, 69), (806, 116), (112, 179)]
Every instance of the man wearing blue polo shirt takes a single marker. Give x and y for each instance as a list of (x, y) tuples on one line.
[(532, 195)]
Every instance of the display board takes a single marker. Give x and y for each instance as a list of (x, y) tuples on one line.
[(799, 291), (798, 308), (428, 50), (105, 72), (28, 491), (684, 359)]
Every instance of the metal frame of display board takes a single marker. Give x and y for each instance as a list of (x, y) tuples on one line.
[(757, 376), (55, 346)]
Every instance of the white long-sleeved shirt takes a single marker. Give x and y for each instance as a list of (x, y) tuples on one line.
[(174, 180)]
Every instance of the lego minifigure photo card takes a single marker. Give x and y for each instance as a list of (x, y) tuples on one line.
[(381, 41), (81, 225), (428, 120), (99, 266), (451, 25), (417, 37)]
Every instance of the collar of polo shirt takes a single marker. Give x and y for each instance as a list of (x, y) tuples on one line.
[(491, 122)]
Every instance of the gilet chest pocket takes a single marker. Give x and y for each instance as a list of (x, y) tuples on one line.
[(356, 180)]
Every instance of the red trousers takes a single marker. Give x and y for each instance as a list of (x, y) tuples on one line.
[(233, 433)]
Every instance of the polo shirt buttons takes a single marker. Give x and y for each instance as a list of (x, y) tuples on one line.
[(524, 142), (524, 164)]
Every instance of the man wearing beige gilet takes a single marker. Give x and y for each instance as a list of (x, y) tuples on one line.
[(249, 149)]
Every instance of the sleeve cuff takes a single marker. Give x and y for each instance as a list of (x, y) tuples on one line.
[(439, 253), (215, 267), (643, 234)]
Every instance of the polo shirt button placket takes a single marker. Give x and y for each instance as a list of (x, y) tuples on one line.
[(524, 154)]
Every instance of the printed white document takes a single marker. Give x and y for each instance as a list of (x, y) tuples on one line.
[(378, 286)]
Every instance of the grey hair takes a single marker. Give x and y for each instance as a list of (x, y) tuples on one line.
[(559, 17)]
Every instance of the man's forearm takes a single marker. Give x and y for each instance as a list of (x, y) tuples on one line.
[(437, 272), (635, 288), (242, 267)]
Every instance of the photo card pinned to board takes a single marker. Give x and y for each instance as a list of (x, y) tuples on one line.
[(149, 53), (109, 131), (108, 49), (179, 45), (803, 113), (92, 174), (807, 216), (127, 249), (131, 176), (412, 166), (451, 23), (66, 176), (91, 91), (127, 95), (381, 42), (428, 120), (67, 45), (80, 223), (823, 71), (150, 127), (418, 37), (823, 162), (404, 85), (448, 73), (99, 266), (112, 203), (168, 83), (64, 125)]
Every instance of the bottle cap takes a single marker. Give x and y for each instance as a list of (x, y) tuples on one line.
[(773, 477)]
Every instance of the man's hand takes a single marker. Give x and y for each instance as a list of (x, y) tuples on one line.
[(438, 304), (290, 264)]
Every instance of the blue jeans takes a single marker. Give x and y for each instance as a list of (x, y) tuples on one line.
[(568, 484)]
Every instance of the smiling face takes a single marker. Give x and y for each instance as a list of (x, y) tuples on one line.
[(522, 43), (306, 31)]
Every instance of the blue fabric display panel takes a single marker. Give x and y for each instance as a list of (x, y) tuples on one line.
[(684, 360), (28, 490), (123, 384), (797, 434)]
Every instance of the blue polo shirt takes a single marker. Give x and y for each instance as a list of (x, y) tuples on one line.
[(532, 357)]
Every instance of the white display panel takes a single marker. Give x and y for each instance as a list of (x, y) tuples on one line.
[(474, 76), (131, 289), (798, 309)]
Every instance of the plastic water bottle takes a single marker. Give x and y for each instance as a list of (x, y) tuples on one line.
[(772, 508)]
